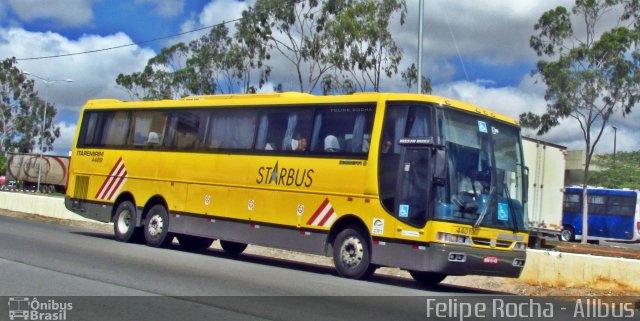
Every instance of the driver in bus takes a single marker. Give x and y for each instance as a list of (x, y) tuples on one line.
[(470, 184)]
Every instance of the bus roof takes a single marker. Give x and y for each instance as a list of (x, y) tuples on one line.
[(601, 191), (294, 98)]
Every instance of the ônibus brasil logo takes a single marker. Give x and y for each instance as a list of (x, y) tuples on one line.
[(24, 308)]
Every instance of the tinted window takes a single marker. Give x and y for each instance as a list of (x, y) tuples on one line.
[(339, 131), (186, 129), (342, 130), (104, 129), (572, 203), (285, 130), (232, 129), (149, 128), (401, 120)]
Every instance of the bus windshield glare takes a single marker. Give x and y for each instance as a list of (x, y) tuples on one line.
[(485, 185)]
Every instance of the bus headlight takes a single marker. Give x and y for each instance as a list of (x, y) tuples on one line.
[(453, 238), (520, 246)]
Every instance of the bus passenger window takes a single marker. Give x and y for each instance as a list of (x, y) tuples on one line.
[(232, 129), (343, 129), (284, 130), (104, 128), (149, 128), (186, 129)]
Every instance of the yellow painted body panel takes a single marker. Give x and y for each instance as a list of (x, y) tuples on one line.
[(237, 186)]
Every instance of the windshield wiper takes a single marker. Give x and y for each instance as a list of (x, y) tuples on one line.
[(492, 192)]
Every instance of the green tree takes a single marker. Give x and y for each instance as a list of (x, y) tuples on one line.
[(591, 74), (3, 164), (213, 63), (295, 29), (619, 171), (158, 80), (21, 112), (361, 43), (410, 77)]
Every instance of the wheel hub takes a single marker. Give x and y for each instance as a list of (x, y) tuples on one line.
[(124, 220), (351, 252), (156, 225)]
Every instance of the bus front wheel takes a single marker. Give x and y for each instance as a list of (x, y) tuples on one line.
[(567, 234), (124, 223), (233, 248), (351, 255), (156, 230)]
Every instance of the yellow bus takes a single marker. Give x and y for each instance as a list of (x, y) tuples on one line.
[(423, 183)]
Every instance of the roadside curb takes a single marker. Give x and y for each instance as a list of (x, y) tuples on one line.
[(38, 204)]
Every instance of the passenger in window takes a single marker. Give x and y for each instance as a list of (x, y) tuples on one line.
[(331, 144), (386, 145), (153, 138), (302, 144), (471, 184)]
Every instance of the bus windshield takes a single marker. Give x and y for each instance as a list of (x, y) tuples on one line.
[(485, 185)]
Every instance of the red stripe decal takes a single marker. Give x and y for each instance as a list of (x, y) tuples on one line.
[(108, 176), (119, 182), (318, 211), (114, 180), (326, 217)]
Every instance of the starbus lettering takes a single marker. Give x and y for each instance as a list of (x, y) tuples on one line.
[(284, 176)]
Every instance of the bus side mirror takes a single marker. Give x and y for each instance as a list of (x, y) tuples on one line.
[(440, 167)]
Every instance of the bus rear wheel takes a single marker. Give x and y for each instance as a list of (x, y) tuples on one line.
[(156, 230), (427, 278), (124, 223), (194, 243), (232, 248), (351, 255)]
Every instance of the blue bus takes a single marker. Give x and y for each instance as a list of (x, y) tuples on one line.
[(614, 214)]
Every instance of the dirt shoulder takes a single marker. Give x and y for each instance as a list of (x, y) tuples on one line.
[(492, 284), (600, 250)]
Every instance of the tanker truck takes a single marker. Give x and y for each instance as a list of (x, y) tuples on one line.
[(22, 172)]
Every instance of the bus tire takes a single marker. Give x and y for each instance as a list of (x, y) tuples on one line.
[(124, 223), (233, 248), (427, 278), (156, 229), (351, 255), (194, 243), (567, 234)]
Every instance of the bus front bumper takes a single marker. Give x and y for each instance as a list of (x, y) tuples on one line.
[(462, 260), (451, 259)]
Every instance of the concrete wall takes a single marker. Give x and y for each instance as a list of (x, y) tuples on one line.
[(579, 270), (38, 204)]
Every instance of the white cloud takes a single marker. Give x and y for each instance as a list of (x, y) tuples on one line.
[(67, 12), (93, 75), (62, 145), (222, 10), (165, 8), (512, 101), (495, 32)]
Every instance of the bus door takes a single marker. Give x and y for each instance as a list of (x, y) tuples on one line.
[(421, 166)]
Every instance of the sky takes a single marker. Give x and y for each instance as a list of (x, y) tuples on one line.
[(474, 51)]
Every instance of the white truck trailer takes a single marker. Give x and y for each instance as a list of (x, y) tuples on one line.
[(546, 163)]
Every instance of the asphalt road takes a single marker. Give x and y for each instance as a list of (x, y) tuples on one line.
[(105, 280), (60, 272)]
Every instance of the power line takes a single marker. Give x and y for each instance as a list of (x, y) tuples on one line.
[(128, 45)]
